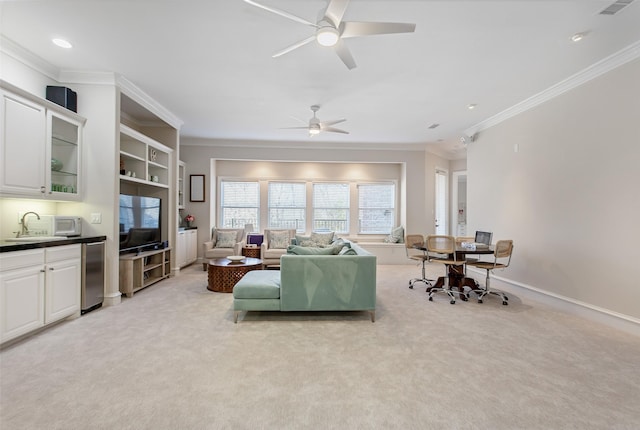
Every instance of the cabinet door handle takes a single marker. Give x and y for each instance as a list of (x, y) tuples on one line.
[(43, 189), (50, 268), (42, 270)]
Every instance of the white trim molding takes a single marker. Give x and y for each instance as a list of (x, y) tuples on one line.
[(588, 311), (603, 66)]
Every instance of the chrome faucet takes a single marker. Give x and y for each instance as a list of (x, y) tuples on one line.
[(23, 226)]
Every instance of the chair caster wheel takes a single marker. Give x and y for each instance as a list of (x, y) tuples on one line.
[(453, 302), (506, 298), (430, 299), (505, 303), (479, 300), (411, 287)]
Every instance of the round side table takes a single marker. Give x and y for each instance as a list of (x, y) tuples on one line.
[(251, 252), (223, 274)]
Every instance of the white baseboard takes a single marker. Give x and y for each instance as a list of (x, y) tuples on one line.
[(608, 317)]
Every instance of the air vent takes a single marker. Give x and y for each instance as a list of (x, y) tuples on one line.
[(432, 126), (616, 7)]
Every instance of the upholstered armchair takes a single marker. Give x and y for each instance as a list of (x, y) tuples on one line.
[(275, 245), (224, 242)]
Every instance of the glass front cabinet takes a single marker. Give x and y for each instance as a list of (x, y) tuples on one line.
[(64, 167)]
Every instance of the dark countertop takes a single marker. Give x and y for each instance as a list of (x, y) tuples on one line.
[(7, 246)]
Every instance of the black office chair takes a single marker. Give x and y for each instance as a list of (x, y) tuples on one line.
[(411, 241), (501, 260)]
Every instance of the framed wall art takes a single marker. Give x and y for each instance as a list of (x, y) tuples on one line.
[(197, 188)]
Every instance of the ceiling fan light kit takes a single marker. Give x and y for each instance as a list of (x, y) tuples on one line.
[(331, 30), (327, 36), (316, 126)]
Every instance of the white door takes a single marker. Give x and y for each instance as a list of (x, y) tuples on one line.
[(441, 202), (459, 203)]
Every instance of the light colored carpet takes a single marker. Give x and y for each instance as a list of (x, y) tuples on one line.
[(171, 358)]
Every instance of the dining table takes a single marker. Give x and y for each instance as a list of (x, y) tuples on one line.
[(457, 273)]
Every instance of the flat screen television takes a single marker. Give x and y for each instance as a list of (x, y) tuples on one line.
[(139, 223)]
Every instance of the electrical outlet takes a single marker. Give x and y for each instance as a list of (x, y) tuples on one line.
[(96, 218)]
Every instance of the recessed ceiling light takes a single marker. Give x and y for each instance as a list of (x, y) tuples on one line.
[(62, 43), (578, 37), (471, 106)]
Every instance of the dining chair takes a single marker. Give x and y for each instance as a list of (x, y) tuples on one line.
[(501, 260), (413, 253), (442, 249)]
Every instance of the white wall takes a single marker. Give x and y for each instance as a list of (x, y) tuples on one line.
[(569, 197)]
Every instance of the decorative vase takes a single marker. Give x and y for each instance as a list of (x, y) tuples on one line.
[(56, 165), (188, 224)]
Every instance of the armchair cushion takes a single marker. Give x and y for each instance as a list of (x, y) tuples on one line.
[(279, 239), (226, 239)]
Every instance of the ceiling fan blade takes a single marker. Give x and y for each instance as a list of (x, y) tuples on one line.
[(335, 11), (334, 122), (294, 46), (356, 29), (281, 13), (334, 130), (294, 128), (344, 54)]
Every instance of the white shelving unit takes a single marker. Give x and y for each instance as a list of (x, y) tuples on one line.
[(143, 160)]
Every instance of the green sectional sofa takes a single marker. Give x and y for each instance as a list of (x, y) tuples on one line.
[(311, 283)]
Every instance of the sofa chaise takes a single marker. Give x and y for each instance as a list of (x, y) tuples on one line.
[(345, 282)]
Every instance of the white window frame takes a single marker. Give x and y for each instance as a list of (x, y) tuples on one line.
[(300, 224), (315, 220), (391, 209), (242, 222)]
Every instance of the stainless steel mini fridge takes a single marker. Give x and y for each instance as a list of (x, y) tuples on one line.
[(93, 276)]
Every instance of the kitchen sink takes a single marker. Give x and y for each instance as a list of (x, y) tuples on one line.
[(34, 238)]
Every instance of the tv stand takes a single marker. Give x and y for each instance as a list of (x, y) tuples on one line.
[(142, 269)]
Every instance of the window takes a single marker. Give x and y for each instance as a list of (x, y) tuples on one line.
[(287, 205), (376, 208), (240, 204), (331, 207)]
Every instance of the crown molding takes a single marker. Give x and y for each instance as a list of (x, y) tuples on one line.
[(143, 99), (603, 66), (17, 52), (87, 77)]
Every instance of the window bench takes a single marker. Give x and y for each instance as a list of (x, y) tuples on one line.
[(386, 253)]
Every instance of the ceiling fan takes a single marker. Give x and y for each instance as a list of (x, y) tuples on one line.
[(316, 126), (330, 29)]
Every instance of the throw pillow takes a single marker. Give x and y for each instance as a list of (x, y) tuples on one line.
[(304, 241), (310, 250), (226, 239), (347, 250), (322, 239), (396, 236), (278, 239)]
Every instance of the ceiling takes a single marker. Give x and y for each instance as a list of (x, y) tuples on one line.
[(210, 64)]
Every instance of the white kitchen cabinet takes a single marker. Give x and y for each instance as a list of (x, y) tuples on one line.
[(22, 146), (38, 287), (187, 247), (21, 293), (62, 282), (40, 146)]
